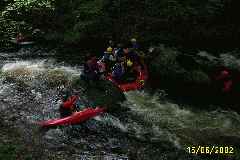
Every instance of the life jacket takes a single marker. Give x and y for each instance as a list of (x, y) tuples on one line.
[(135, 46), (69, 104), (106, 56), (118, 70), (133, 56), (101, 66), (129, 63), (109, 57)]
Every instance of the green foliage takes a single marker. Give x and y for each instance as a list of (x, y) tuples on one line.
[(8, 152), (7, 28), (87, 21), (22, 16), (189, 22), (27, 5)]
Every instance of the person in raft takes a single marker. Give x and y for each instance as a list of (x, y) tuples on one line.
[(118, 71), (91, 69), (20, 38), (109, 58)]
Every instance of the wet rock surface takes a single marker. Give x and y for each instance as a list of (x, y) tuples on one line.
[(192, 76)]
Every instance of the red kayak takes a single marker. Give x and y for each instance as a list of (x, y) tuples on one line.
[(137, 84), (75, 118)]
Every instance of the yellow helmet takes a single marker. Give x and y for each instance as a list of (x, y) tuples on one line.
[(109, 49), (129, 63)]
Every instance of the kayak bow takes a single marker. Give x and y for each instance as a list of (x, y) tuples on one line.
[(76, 117)]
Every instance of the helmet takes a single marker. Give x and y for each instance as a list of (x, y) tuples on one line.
[(133, 40), (109, 49), (129, 63)]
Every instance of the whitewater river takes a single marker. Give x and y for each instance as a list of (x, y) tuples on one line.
[(149, 126)]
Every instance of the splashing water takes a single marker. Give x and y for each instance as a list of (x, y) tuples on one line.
[(30, 81), (31, 92), (183, 126)]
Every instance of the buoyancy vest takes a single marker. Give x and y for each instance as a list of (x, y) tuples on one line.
[(71, 101)]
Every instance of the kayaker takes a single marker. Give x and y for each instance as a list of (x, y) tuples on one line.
[(68, 106)]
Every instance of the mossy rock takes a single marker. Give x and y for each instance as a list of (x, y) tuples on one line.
[(22, 77), (165, 64), (101, 93)]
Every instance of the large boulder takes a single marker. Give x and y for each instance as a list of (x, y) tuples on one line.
[(171, 64), (195, 75), (181, 73), (101, 93)]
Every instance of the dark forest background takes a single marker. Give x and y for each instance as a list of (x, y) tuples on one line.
[(208, 24)]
